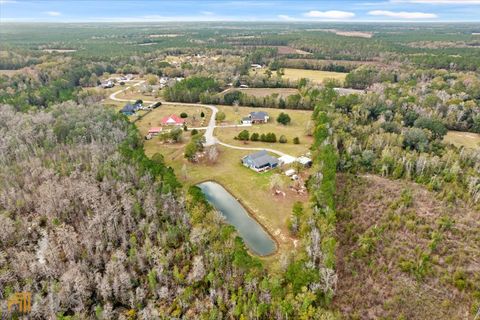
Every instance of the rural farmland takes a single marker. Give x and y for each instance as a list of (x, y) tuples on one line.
[(315, 76)]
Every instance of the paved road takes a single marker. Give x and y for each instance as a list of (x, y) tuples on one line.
[(210, 139)]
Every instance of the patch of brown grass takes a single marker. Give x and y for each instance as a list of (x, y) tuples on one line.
[(389, 264)]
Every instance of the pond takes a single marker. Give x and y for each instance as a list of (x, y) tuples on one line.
[(252, 233)]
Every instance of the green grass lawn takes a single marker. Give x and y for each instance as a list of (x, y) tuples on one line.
[(252, 188), (154, 117), (296, 128)]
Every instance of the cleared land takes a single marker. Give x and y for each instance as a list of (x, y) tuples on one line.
[(264, 92), (463, 139), (320, 62), (59, 50), (313, 75), (290, 50), (10, 72), (252, 188), (154, 117), (296, 128), (415, 256)]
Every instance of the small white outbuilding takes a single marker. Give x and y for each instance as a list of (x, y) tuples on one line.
[(286, 159), (290, 172)]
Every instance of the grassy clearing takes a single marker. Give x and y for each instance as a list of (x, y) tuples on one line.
[(245, 184), (313, 75), (463, 139), (296, 128), (264, 92), (10, 72), (154, 117)]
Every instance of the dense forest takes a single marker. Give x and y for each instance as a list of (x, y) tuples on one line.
[(96, 229)]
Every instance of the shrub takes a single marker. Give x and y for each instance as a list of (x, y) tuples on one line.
[(220, 116), (296, 140), (244, 135), (416, 139), (202, 114), (194, 132), (254, 137), (282, 139), (436, 127), (391, 127), (183, 115), (283, 118), (270, 137)]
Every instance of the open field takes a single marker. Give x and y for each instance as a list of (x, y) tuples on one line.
[(346, 33), (313, 75), (59, 50), (296, 128), (290, 50), (154, 117), (9, 72), (325, 62), (463, 139), (250, 187), (263, 92)]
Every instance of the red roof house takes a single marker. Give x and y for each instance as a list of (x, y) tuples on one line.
[(172, 120)]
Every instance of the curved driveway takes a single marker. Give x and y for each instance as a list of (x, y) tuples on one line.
[(210, 139)]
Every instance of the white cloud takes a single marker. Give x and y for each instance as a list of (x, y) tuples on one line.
[(438, 1), (285, 17), (207, 13), (403, 14), (332, 14), (53, 13)]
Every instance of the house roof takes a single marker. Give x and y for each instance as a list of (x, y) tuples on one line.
[(286, 159), (262, 159), (155, 130), (172, 119), (258, 115), (128, 108)]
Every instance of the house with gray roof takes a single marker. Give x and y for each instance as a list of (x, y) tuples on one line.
[(256, 117), (260, 161)]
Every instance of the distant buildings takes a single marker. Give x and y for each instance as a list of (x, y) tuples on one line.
[(168, 82), (107, 84)]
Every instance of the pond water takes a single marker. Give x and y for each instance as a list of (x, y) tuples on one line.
[(252, 233)]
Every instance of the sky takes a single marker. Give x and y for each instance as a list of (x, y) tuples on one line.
[(223, 10)]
